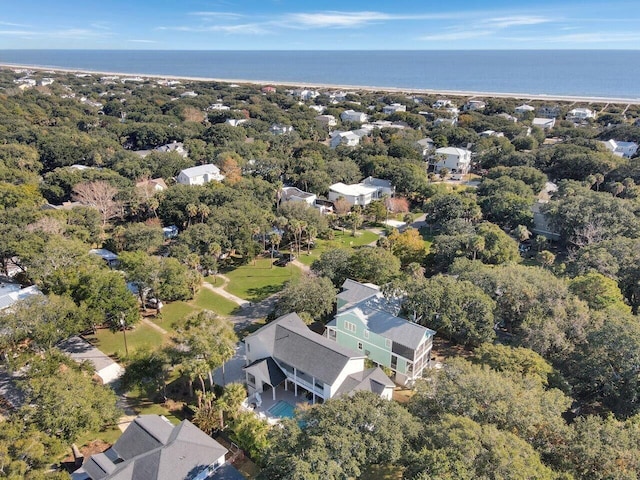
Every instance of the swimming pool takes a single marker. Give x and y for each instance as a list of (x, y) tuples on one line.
[(282, 409)]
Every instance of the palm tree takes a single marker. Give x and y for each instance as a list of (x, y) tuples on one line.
[(204, 211), (599, 181), (476, 245), (355, 218), (311, 236), (192, 211)]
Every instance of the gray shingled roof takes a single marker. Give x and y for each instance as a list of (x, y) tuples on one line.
[(267, 368), (153, 449), (312, 353), (389, 326), (80, 350), (370, 380), (291, 341), (354, 292)]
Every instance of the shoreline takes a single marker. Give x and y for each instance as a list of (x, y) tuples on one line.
[(367, 88)]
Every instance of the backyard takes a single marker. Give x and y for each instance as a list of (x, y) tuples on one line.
[(341, 240)]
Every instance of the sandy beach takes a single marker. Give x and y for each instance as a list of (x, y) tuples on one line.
[(418, 91)]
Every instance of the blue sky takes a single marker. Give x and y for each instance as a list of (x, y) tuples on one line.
[(329, 25)]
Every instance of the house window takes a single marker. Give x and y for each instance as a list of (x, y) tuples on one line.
[(394, 362), (248, 347), (350, 327), (251, 380), (366, 334), (359, 345), (387, 342)]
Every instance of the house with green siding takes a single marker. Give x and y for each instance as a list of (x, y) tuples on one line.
[(367, 322)]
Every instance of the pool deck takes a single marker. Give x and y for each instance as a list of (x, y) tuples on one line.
[(267, 402)]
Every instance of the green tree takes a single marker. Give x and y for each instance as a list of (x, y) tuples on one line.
[(376, 265), (333, 264), (457, 447), (341, 438), (64, 401), (506, 400), (208, 341), (457, 309), (523, 361), (598, 291), (311, 297)]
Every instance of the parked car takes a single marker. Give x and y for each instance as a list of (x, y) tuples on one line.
[(284, 261)]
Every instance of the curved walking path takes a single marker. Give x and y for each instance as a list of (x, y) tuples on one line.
[(155, 326), (223, 293)]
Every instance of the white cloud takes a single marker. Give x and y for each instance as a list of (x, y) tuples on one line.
[(246, 28), (336, 19), (142, 41), (516, 20), (220, 15), (11, 24)]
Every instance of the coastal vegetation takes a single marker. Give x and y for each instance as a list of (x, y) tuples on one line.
[(528, 273)]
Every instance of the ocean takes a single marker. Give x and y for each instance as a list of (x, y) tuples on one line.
[(593, 73)]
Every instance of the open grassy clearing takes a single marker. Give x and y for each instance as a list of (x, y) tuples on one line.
[(255, 282), (341, 240), (141, 337)]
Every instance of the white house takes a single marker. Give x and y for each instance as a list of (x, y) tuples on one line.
[(82, 351), (348, 139), (278, 129), (110, 258), (218, 106), (508, 117), (581, 114), (441, 103), (621, 149), (425, 146), (456, 160), (362, 193), (11, 293), (174, 146), (294, 194), (451, 122), (235, 122), (285, 352), (151, 186), (522, 109), (544, 123), (474, 105), (328, 120), (393, 108), (200, 175), (353, 116)]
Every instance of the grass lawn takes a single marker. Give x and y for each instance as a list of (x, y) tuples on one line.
[(208, 300), (141, 337), (363, 237), (256, 282), (172, 315)]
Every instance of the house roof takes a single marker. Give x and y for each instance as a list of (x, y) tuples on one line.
[(151, 448), (80, 351), (104, 253), (354, 292), (12, 293), (459, 152), (290, 341), (288, 192), (267, 368), (370, 380), (200, 170), (352, 190), (386, 324)]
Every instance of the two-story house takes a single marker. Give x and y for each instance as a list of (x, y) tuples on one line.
[(285, 352), (368, 323)]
